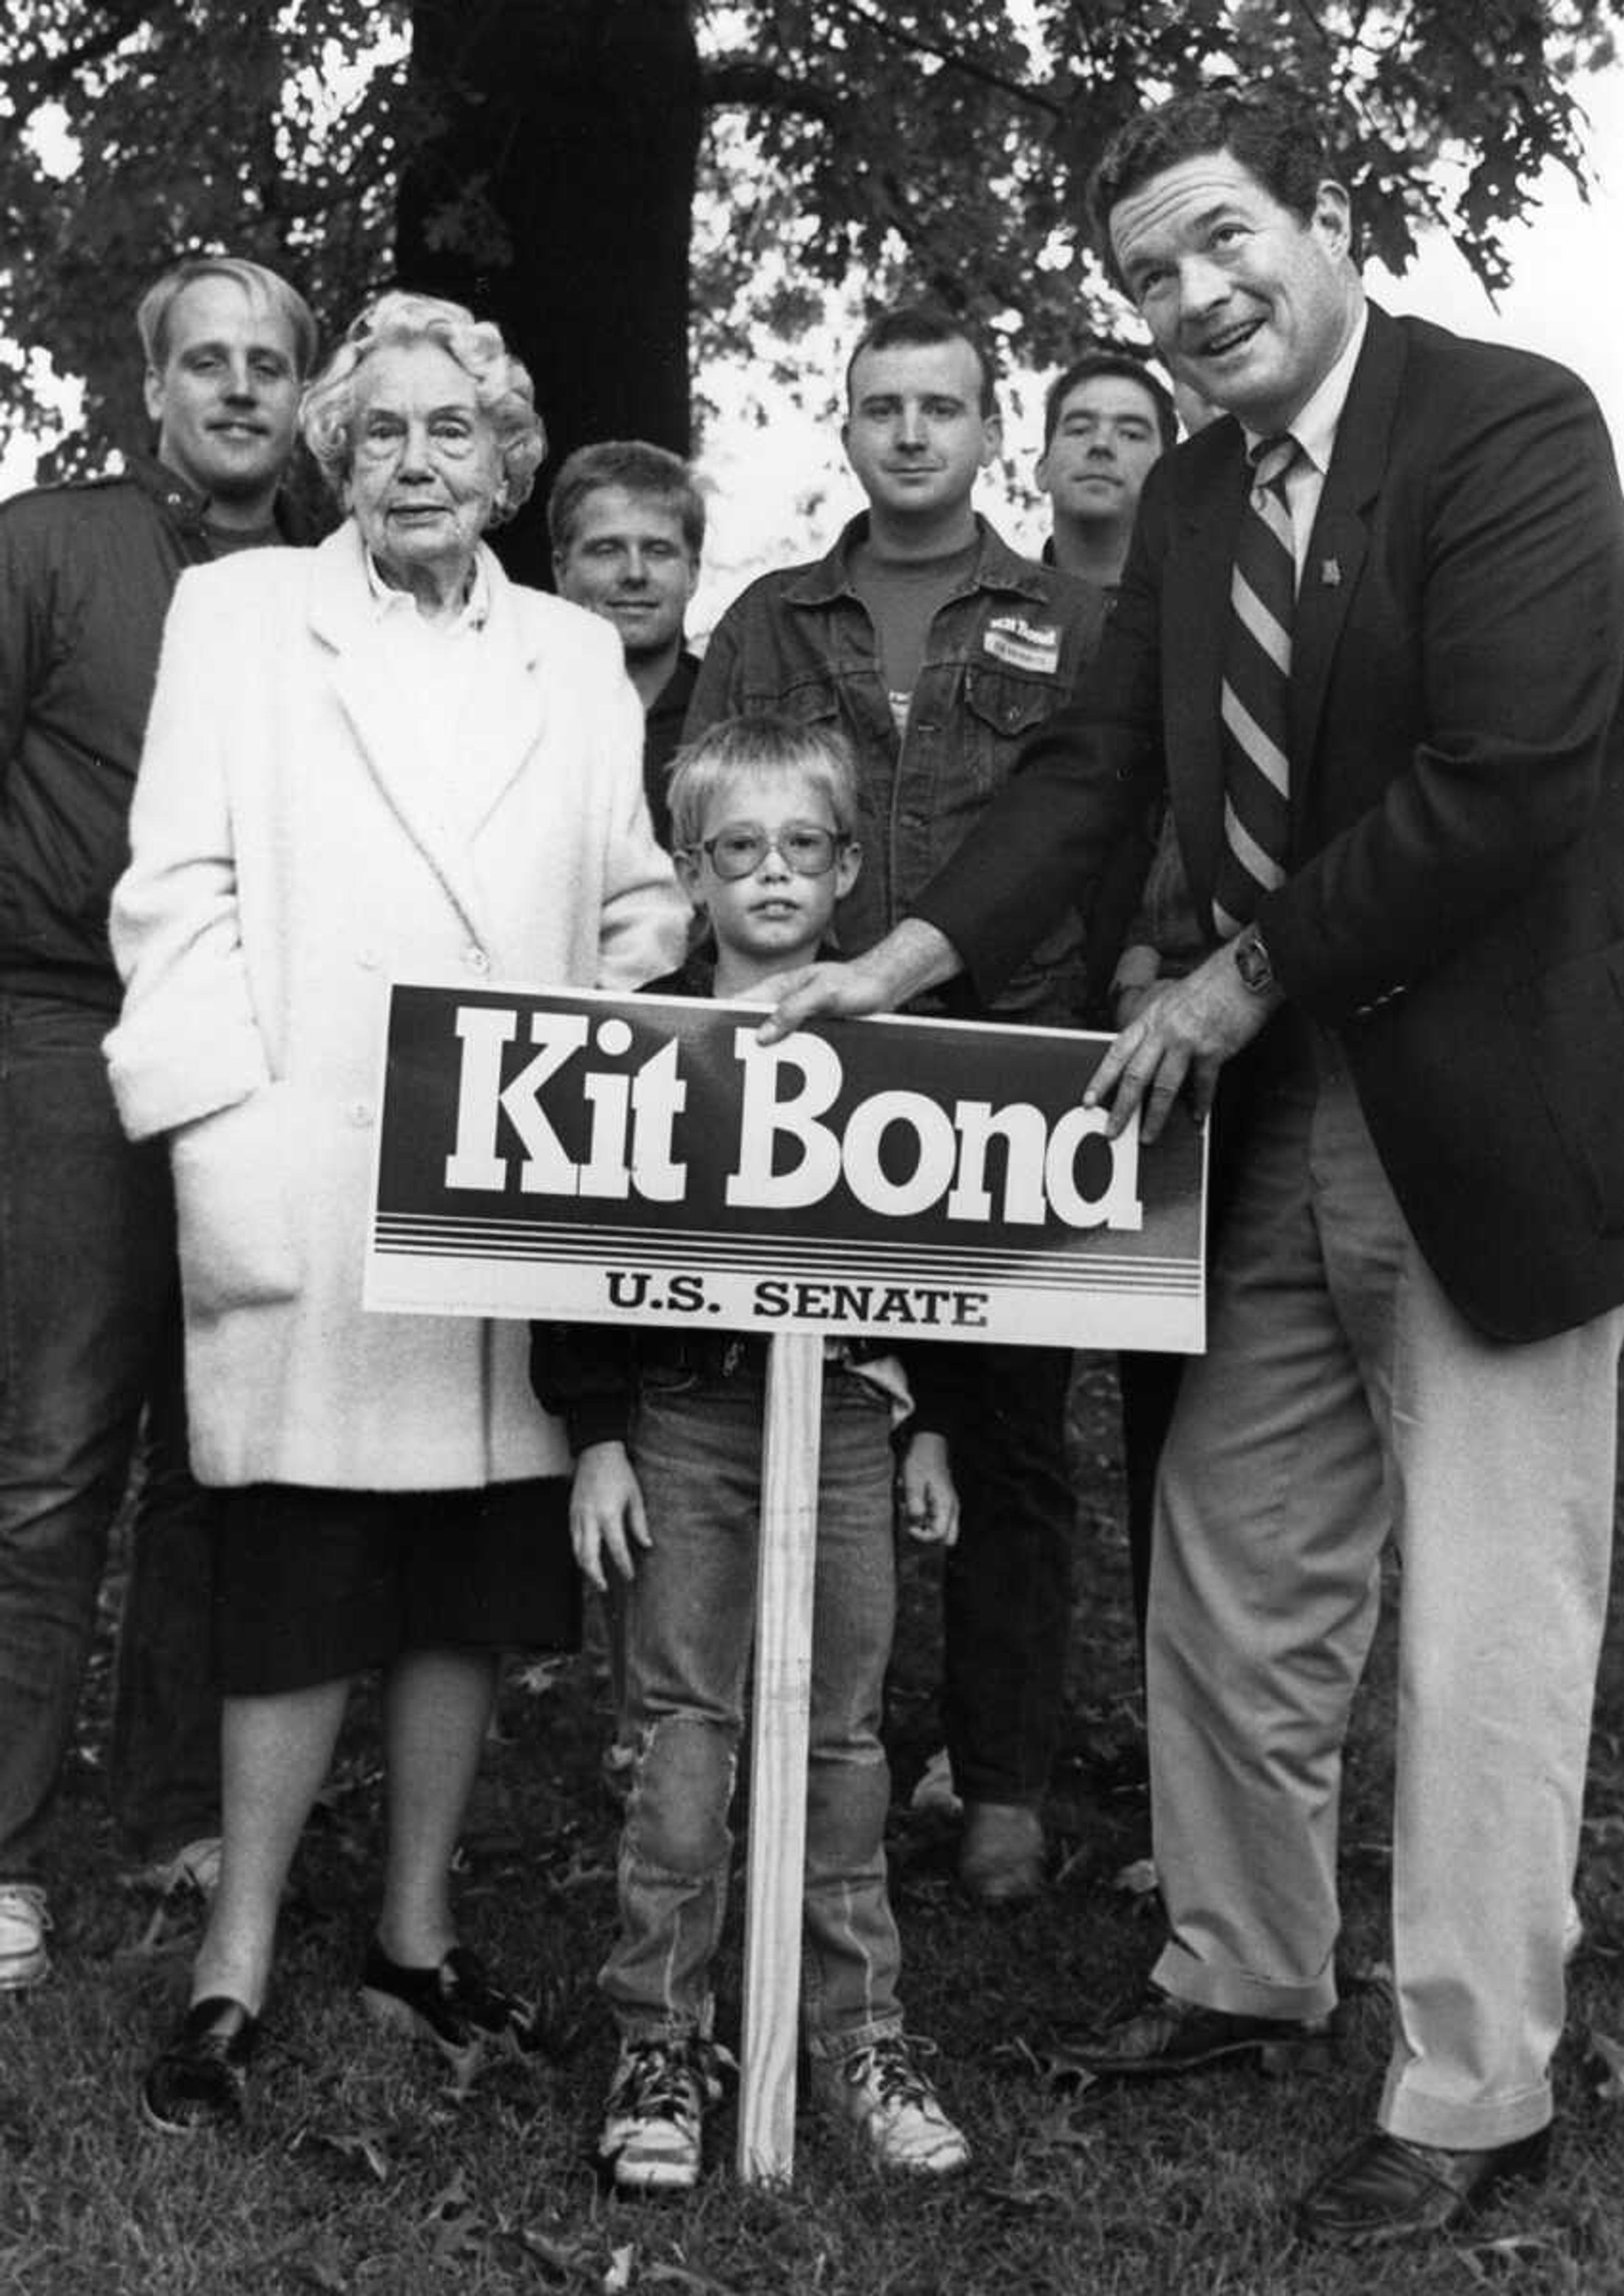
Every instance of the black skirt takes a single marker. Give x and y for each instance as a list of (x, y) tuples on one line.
[(315, 1586)]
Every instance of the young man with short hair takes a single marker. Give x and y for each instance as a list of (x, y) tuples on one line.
[(89, 1306), (628, 523), (1106, 420), (935, 650)]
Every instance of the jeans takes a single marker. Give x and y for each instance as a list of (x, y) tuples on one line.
[(696, 1449), (1006, 1590), (89, 1338)]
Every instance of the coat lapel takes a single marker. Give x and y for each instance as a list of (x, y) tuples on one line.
[(504, 724), (1338, 544), (507, 708)]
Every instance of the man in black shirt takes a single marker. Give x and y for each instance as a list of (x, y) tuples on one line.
[(628, 523)]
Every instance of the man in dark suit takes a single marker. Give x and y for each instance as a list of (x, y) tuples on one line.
[(1371, 636)]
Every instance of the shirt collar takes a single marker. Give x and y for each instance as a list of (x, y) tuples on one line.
[(1315, 426), (475, 613), (189, 509)]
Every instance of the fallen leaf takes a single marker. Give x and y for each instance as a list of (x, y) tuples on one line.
[(1492, 2261), (366, 2146), (679, 2276), (619, 2276), (538, 1679), (461, 2234), (935, 1790), (1060, 2132), (568, 2258), (1137, 1879), (1609, 2061), (321, 2266), (1059, 2060)]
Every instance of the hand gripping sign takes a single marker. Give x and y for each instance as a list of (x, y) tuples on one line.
[(576, 1156)]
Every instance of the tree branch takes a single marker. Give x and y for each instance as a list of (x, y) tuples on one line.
[(756, 87), (50, 80), (950, 58)]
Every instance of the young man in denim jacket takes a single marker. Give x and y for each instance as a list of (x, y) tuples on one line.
[(934, 649)]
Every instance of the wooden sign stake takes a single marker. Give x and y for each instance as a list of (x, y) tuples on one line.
[(778, 1758)]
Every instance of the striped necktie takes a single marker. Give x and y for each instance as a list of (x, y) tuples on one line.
[(1256, 731)]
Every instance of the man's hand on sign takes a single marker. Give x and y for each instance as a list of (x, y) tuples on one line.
[(930, 1502), (606, 1512), (1181, 1039), (912, 958)]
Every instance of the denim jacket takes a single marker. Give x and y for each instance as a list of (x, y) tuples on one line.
[(1005, 652)]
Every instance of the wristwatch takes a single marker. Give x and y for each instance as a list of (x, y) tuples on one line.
[(1251, 961)]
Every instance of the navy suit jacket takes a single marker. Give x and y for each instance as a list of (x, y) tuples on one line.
[(1455, 903)]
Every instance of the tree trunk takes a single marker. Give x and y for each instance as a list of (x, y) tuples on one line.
[(556, 196)]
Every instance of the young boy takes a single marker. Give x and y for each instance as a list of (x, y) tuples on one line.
[(667, 1429)]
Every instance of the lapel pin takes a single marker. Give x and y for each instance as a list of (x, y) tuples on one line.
[(1329, 573)]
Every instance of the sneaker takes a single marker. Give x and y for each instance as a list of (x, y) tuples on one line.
[(882, 2092), (658, 2099), (194, 1870), (23, 1923), (455, 2006)]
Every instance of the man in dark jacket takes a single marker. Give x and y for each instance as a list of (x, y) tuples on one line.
[(935, 649), (89, 1324), (628, 524)]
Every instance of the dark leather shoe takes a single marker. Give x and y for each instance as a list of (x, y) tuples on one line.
[(455, 2006), (200, 2080), (1163, 2036), (1001, 1853), (1388, 2188)]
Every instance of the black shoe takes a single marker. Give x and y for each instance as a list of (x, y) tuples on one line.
[(1388, 2189), (453, 2007), (1164, 2036), (200, 2079)]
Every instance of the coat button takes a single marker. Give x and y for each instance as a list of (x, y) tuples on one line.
[(360, 1111), (477, 960), (367, 958)]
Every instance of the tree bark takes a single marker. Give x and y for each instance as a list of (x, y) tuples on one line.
[(555, 195)]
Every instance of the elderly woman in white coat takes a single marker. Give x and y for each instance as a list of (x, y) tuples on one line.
[(377, 756)]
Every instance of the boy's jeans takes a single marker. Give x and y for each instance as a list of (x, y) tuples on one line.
[(696, 1448), (89, 1332)]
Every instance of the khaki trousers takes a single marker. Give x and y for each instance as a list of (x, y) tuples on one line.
[(1342, 1400)]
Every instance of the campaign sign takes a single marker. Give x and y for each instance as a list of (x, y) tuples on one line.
[(592, 1158)]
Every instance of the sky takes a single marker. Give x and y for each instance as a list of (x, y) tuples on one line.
[(1567, 292)]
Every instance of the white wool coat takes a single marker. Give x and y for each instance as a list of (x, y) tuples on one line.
[(283, 865)]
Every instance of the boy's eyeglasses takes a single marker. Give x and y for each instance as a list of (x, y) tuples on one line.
[(740, 850)]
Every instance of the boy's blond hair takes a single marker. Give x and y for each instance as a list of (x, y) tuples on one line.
[(767, 742)]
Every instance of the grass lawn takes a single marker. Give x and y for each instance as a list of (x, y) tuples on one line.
[(361, 2172)]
